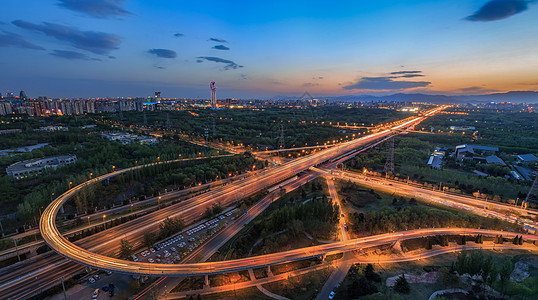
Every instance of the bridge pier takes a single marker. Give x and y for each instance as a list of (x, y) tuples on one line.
[(206, 281), (269, 273)]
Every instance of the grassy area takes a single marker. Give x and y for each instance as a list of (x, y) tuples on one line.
[(302, 287), (371, 212), (424, 290), (274, 236)]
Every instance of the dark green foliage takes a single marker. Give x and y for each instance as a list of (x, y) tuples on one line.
[(361, 287), (402, 286), (170, 226), (149, 239), (126, 249), (414, 217), (370, 274)]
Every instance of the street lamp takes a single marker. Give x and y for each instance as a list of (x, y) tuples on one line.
[(104, 224)]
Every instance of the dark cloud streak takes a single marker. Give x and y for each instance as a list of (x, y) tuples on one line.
[(384, 83), (498, 10), (96, 8), (221, 47), (218, 40), (72, 55), (405, 72), (92, 41), (8, 39), (229, 64), (164, 53)]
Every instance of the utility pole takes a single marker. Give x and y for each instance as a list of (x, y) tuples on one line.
[(389, 164)]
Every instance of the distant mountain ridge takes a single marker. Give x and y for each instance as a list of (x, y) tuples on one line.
[(513, 96)]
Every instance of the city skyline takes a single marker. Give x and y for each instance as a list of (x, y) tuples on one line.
[(129, 48)]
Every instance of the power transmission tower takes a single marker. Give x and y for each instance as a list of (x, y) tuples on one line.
[(389, 164), (533, 192), (145, 118), (281, 139), (168, 121)]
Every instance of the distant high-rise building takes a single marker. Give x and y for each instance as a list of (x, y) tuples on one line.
[(213, 94), (22, 95)]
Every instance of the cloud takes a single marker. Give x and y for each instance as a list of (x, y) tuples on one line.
[(164, 53), (310, 84), (221, 47), (92, 41), (405, 72), (8, 39), (384, 83), (408, 76), (276, 82), (96, 8), (218, 40), (317, 78), (159, 67), (243, 76), (229, 64), (70, 55), (178, 34), (498, 10)]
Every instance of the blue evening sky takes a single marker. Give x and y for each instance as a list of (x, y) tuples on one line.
[(99, 48)]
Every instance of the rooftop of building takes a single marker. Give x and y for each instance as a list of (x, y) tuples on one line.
[(39, 162)]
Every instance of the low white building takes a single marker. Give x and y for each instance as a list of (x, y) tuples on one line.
[(36, 166), (128, 138)]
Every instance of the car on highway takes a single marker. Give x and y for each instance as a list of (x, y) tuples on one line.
[(95, 294), (331, 295)]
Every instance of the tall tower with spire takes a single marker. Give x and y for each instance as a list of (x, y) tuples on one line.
[(213, 94)]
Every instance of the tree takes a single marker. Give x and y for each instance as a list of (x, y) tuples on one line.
[(370, 274), (149, 239), (126, 249), (505, 272), (402, 286)]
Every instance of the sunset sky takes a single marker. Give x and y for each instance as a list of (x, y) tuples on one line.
[(98, 48)]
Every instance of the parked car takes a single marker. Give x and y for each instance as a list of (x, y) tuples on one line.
[(95, 294), (91, 280)]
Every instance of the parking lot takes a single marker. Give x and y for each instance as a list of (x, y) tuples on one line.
[(176, 247)]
